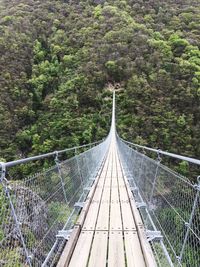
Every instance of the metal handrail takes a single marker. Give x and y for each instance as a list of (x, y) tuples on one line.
[(42, 156), (158, 151)]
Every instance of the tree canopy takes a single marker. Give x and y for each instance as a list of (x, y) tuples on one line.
[(58, 58)]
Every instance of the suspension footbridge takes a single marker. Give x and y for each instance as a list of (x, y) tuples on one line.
[(110, 205)]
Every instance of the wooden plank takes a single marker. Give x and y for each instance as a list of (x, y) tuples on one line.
[(103, 217), (136, 214), (91, 218), (121, 181), (106, 194), (107, 182), (114, 173), (114, 182), (145, 246), (116, 249), (134, 256), (115, 212), (97, 194), (114, 192), (101, 182), (103, 173), (69, 248), (119, 174), (123, 195), (127, 217), (99, 250), (115, 216), (85, 209), (82, 250), (109, 174)]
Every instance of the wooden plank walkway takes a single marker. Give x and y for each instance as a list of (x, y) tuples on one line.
[(112, 233)]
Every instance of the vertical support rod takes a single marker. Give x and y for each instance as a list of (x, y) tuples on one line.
[(133, 160), (87, 166), (188, 225), (79, 171), (140, 171), (155, 178), (60, 176), (166, 254), (129, 164), (17, 223), (129, 152)]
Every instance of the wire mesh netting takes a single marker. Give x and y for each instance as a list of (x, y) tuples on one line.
[(34, 210), (172, 207)]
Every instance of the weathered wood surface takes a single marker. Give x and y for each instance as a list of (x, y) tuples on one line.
[(112, 231)]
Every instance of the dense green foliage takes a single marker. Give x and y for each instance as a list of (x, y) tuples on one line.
[(59, 61)]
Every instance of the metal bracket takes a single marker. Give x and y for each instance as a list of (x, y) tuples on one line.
[(79, 204), (134, 189), (87, 188), (56, 158), (159, 159), (3, 171), (64, 234), (153, 235), (141, 205), (197, 186), (30, 257)]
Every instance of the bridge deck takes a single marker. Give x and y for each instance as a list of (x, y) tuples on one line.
[(110, 233)]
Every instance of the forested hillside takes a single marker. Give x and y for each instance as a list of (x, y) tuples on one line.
[(59, 61)]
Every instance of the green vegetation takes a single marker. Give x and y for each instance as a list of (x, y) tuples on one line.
[(11, 257), (58, 61), (58, 212)]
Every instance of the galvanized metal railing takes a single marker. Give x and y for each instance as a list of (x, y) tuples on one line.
[(37, 212), (168, 202)]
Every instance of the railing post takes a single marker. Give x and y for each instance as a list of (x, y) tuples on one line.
[(79, 171), (60, 176), (6, 189), (133, 160), (155, 178), (87, 166), (140, 171), (128, 155), (188, 225)]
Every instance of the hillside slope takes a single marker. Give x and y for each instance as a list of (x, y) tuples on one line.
[(58, 59)]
